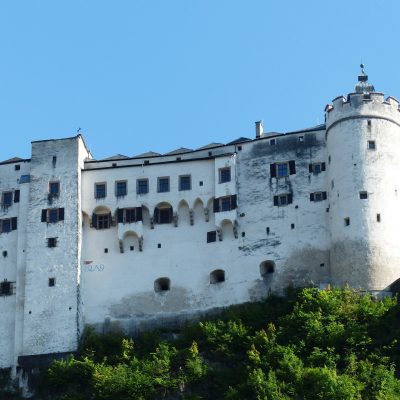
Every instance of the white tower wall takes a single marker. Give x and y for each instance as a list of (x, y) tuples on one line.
[(364, 253)]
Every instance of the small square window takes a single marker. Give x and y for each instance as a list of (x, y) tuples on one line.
[(121, 188), (159, 245), (211, 236), (131, 248), (371, 145), (369, 123), (272, 142), (300, 139), (224, 175), (291, 226), (283, 200), (17, 167), (347, 221), (201, 183), (53, 215), (5, 288), (5, 253), (105, 250), (100, 190), (54, 188), (282, 170), (239, 148), (318, 196), (243, 234), (163, 185), (142, 186), (51, 242), (209, 153), (185, 182), (52, 282), (6, 225), (363, 195)]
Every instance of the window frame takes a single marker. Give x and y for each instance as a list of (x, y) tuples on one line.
[(371, 145), (9, 195), (280, 203), (117, 193), (96, 188), (180, 182), (160, 184), (138, 185), (221, 177), (211, 236), (56, 193), (47, 212)]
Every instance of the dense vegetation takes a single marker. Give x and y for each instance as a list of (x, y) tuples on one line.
[(311, 344)]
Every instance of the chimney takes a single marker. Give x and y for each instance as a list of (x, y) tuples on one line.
[(259, 129)]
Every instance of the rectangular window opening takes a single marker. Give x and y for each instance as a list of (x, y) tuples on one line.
[(363, 195), (224, 174), (100, 190), (378, 217), (52, 282), (142, 186), (371, 145), (211, 236), (185, 182), (121, 188), (347, 221), (52, 242), (163, 185)]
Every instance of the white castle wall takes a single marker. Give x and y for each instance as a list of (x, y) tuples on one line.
[(13, 243), (366, 253), (301, 242), (50, 313)]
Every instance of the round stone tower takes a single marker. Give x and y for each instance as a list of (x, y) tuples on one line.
[(363, 147)]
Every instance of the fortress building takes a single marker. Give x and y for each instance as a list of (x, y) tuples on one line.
[(135, 242)]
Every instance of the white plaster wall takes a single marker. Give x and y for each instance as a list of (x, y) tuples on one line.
[(50, 313), (366, 253), (298, 253), (10, 242)]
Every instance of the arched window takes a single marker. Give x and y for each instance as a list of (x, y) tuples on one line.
[(163, 214), (267, 268), (162, 285), (217, 276)]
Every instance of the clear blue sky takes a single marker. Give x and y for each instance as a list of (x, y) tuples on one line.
[(139, 75)]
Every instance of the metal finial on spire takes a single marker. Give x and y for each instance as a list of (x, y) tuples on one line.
[(363, 86)]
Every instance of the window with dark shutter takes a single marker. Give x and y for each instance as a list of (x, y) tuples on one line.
[(292, 167), (156, 214), (216, 205), (211, 236), (120, 215), (311, 196), (290, 198), (44, 215), (94, 220), (324, 197), (61, 214), (139, 214), (310, 168), (233, 202), (323, 166), (14, 223), (272, 168), (276, 201), (16, 196)]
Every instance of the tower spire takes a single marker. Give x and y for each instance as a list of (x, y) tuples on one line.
[(363, 86)]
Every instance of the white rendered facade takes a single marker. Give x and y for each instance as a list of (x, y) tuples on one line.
[(319, 205)]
